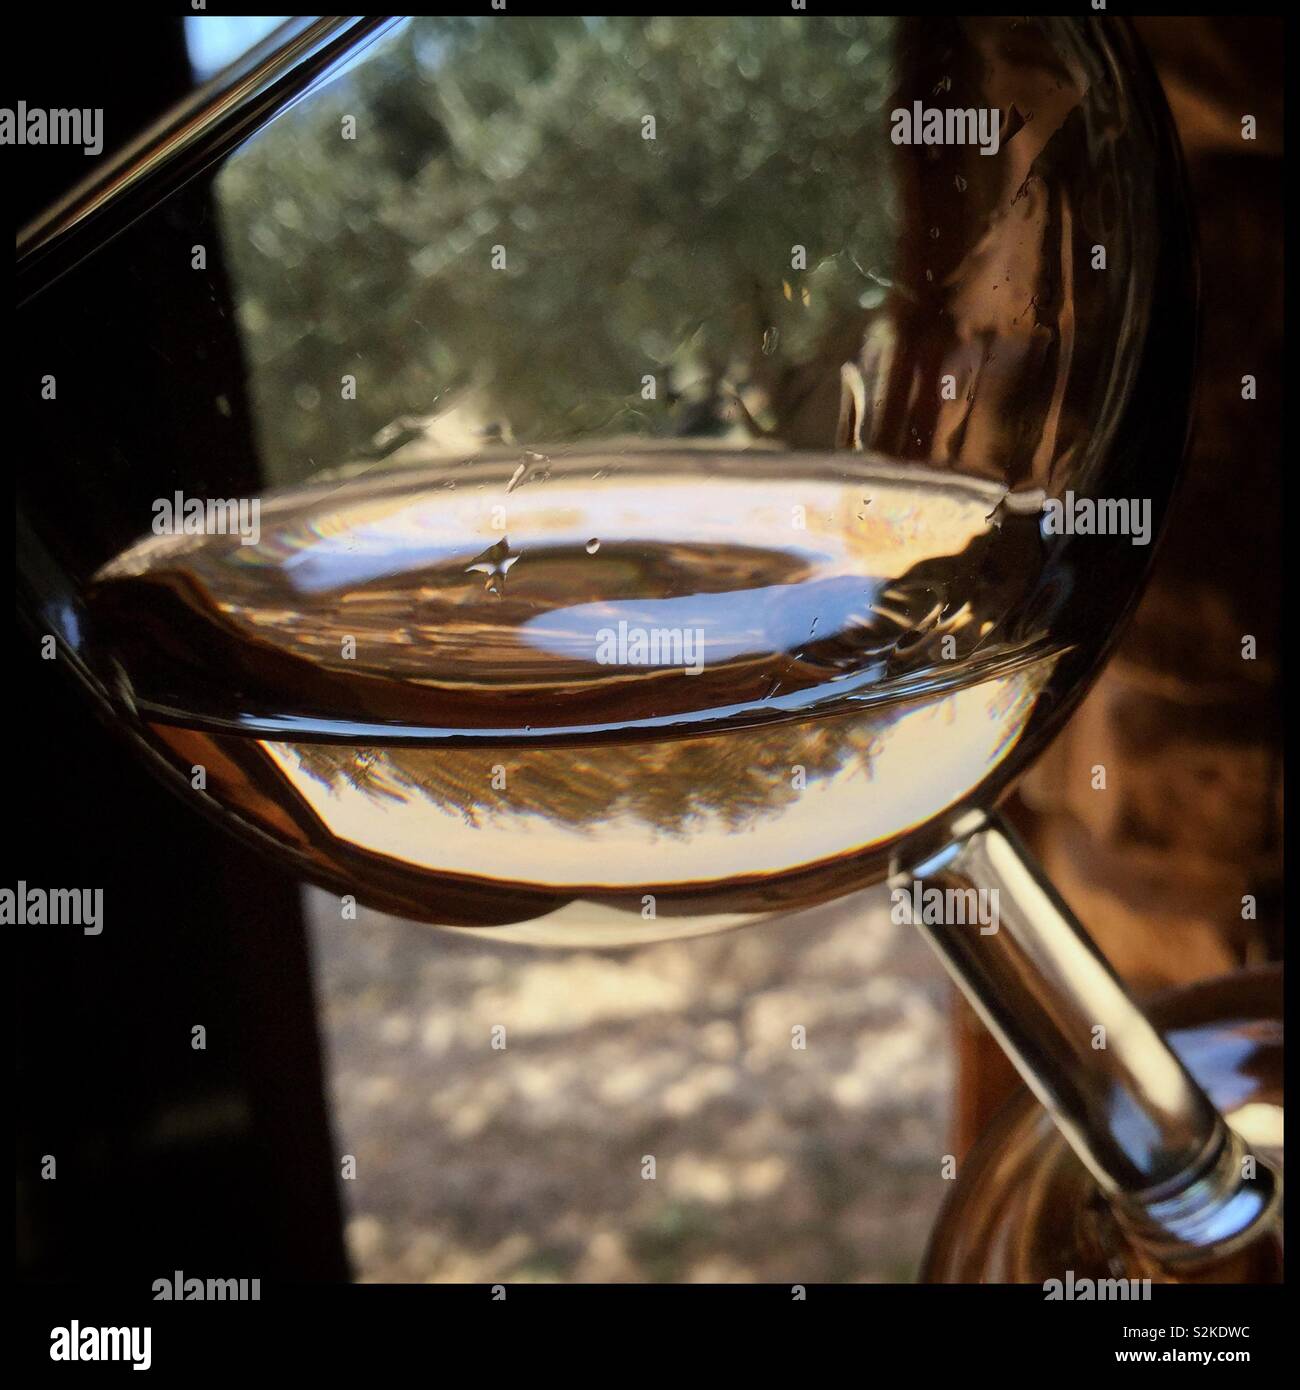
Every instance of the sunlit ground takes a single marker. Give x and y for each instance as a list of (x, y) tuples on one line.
[(771, 1162)]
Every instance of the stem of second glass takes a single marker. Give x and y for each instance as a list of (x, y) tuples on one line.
[(1181, 1181)]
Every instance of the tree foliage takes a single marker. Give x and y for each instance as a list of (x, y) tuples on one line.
[(624, 256)]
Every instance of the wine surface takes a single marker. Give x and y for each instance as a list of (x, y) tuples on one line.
[(598, 698)]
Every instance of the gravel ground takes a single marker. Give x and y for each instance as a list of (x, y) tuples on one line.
[(771, 1163)]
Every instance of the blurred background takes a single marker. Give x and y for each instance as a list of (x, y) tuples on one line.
[(771, 1162), (373, 1037)]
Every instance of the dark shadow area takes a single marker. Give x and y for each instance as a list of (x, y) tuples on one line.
[(216, 1162)]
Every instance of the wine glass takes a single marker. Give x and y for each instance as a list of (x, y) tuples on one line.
[(619, 479), (1024, 1210)]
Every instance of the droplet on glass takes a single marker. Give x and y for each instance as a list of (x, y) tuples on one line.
[(495, 562)]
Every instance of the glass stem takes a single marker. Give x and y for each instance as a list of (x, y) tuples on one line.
[(1177, 1177)]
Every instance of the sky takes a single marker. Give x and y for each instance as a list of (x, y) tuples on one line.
[(214, 41)]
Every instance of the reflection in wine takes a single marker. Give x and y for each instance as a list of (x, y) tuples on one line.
[(856, 623)]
